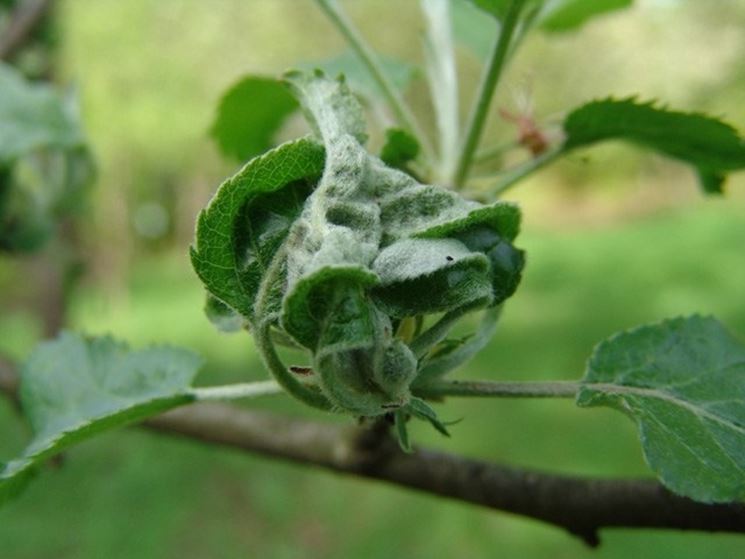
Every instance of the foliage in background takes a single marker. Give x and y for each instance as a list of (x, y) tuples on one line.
[(45, 165)]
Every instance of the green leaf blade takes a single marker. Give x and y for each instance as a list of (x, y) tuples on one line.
[(683, 381), (711, 146), (248, 219), (249, 116), (566, 15), (73, 388)]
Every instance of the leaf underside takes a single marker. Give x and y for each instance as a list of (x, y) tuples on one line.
[(73, 388), (683, 381)]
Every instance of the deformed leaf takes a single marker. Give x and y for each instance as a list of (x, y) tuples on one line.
[(711, 146), (683, 381), (248, 219), (249, 116), (357, 250), (427, 276), (73, 388)]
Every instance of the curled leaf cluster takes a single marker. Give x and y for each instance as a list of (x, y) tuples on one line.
[(320, 244)]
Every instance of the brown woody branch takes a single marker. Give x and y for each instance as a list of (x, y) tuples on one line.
[(25, 19), (579, 505)]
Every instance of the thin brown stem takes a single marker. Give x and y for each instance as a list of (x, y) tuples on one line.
[(27, 16)]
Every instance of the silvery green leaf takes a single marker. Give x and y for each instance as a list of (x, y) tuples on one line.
[(427, 276), (683, 382), (356, 249)]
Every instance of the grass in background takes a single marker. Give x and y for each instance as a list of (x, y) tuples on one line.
[(135, 494)]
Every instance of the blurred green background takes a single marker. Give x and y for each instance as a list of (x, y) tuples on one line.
[(614, 238)]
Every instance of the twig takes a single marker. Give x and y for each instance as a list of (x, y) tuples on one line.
[(580, 506), (489, 81), (24, 20), (507, 389)]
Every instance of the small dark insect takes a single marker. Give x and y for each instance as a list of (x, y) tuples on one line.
[(305, 371), (449, 258)]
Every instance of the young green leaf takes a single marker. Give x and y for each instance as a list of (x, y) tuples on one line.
[(711, 146), (73, 388), (249, 116), (399, 148), (683, 381), (566, 15), (248, 219)]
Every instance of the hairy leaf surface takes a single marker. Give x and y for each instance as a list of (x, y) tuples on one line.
[(335, 261), (73, 388), (711, 146), (683, 381)]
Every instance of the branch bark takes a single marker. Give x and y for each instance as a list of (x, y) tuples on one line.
[(24, 20), (579, 505)]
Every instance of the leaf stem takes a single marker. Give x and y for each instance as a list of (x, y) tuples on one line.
[(443, 81), (236, 391), (515, 175), (369, 59), (489, 81), (437, 332), (281, 373), (506, 389), (492, 152)]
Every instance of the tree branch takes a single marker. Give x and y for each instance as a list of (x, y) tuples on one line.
[(580, 506), (26, 17)]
